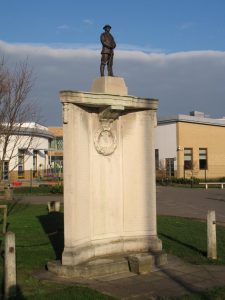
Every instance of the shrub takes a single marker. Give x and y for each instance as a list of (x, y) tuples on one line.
[(57, 189)]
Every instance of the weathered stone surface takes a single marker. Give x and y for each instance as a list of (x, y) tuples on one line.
[(160, 259), (211, 235), (138, 263), (109, 85), (109, 173), (141, 263), (91, 269), (10, 266)]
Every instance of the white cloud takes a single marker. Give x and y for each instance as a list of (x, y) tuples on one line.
[(88, 22), (187, 25), (145, 48), (63, 27), (182, 81)]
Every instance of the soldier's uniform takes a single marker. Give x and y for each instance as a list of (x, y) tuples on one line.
[(108, 44)]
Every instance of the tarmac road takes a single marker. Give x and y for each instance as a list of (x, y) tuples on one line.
[(172, 201), (191, 202)]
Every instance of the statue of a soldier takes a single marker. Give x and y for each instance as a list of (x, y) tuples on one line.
[(108, 44)]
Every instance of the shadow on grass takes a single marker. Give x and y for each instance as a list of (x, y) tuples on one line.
[(52, 224), (204, 253), (16, 293), (192, 290)]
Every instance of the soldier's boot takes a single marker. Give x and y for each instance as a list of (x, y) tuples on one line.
[(110, 71), (102, 69)]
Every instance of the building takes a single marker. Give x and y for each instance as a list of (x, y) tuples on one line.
[(55, 152), (190, 146), (27, 152)]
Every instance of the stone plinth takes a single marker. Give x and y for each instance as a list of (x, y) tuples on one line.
[(109, 85), (109, 174)]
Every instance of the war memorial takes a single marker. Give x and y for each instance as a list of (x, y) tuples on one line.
[(109, 178)]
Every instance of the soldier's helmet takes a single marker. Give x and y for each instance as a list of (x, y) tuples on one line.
[(107, 26)]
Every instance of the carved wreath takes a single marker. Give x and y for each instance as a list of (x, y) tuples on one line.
[(105, 141)]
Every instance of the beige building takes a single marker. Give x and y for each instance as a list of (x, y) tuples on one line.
[(55, 152), (26, 155), (190, 146)]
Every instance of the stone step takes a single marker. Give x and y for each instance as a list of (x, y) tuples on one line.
[(137, 263), (144, 263)]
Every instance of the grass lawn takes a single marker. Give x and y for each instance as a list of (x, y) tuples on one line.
[(39, 238), (187, 239), (212, 294)]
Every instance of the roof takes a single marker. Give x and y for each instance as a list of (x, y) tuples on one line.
[(57, 131), (191, 119), (29, 128)]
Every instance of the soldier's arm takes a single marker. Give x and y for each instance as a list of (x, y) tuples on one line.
[(104, 41)]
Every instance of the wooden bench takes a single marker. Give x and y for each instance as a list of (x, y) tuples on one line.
[(212, 183)]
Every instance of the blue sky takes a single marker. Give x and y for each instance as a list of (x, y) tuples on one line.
[(179, 45), (169, 25)]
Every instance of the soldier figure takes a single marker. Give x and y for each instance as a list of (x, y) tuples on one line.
[(108, 44)]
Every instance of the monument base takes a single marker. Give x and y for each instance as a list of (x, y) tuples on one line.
[(139, 263), (109, 85), (80, 254)]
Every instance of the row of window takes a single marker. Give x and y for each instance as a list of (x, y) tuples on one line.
[(21, 160), (202, 159), (188, 160), (54, 161)]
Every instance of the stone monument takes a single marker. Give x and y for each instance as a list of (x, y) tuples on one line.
[(109, 182)]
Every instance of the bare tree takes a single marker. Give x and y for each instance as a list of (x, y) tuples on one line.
[(15, 110)]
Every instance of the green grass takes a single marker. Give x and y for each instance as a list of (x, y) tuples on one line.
[(211, 294), (39, 239), (187, 239)]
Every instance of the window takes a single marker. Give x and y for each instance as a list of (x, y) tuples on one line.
[(59, 143), (169, 167), (5, 170), (188, 157), (202, 158), (157, 159), (35, 163), (21, 155), (56, 143)]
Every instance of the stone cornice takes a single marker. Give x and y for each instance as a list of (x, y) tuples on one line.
[(89, 99)]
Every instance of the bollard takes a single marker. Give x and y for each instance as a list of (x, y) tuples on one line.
[(53, 206), (8, 193), (10, 266), (4, 226), (211, 235)]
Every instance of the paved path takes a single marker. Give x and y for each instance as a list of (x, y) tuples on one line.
[(175, 279)]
